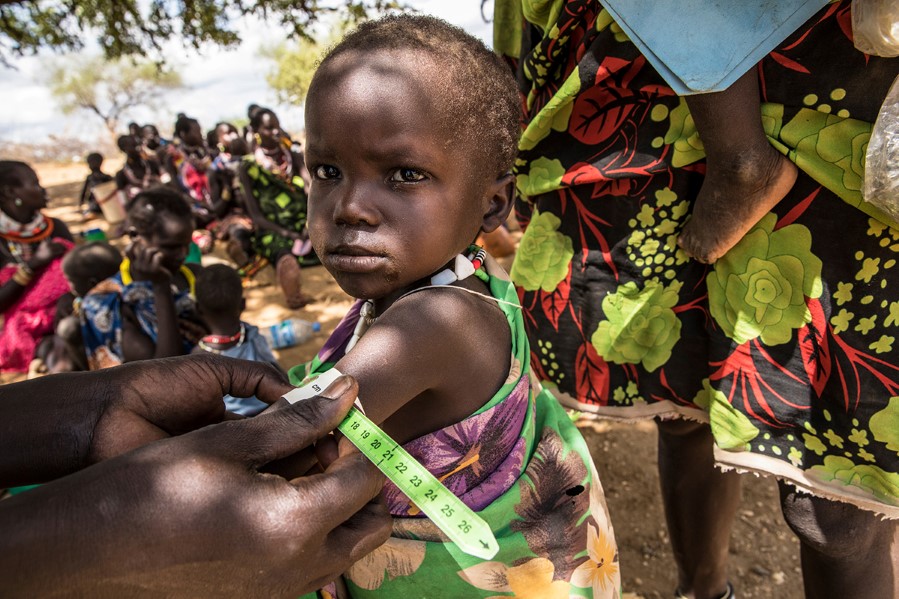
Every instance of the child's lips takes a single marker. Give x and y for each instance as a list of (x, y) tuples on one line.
[(355, 259)]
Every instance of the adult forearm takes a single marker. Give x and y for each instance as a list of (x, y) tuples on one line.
[(45, 426)]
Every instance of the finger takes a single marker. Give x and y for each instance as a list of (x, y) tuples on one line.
[(293, 466), (242, 378), (277, 434), (341, 490), (363, 532), (326, 451)]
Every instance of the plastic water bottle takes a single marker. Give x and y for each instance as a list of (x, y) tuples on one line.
[(290, 332)]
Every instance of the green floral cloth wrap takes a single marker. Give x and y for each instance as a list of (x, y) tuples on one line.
[(788, 345)]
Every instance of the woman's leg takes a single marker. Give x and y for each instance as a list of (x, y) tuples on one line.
[(700, 504), (846, 552), (287, 270)]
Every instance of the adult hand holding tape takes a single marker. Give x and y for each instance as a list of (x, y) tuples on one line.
[(457, 521)]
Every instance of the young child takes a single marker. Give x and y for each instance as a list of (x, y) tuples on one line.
[(96, 177), (436, 339), (84, 267), (220, 302), (745, 176), (147, 310)]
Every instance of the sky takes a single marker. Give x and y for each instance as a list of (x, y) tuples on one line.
[(219, 83)]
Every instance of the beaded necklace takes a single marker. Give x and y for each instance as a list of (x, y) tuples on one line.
[(127, 279), (223, 340), (20, 238)]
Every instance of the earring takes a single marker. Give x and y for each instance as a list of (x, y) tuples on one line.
[(257, 138), (17, 202)]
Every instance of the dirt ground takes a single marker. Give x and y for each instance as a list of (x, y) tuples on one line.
[(764, 554)]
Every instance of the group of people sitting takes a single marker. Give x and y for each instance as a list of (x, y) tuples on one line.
[(69, 306), (245, 189)]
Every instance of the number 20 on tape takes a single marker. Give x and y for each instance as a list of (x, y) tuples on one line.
[(457, 521)]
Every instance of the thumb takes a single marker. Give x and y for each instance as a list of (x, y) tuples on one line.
[(285, 430)]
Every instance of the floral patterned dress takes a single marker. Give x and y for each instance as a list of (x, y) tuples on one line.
[(787, 346), (522, 465)]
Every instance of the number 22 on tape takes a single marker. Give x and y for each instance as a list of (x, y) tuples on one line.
[(464, 528)]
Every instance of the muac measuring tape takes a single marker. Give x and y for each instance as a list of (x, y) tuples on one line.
[(464, 528)]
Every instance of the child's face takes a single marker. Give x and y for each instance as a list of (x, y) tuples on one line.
[(394, 196), (172, 238)]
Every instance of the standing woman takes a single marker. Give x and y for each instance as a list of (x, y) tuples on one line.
[(31, 279), (274, 179)]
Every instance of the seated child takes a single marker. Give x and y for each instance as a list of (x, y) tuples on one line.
[(96, 177), (436, 339), (147, 310), (220, 302), (84, 267), (745, 176)]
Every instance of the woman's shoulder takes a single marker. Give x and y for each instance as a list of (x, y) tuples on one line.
[(61, 230)]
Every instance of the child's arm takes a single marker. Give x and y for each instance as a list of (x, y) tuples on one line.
[(430, 361)]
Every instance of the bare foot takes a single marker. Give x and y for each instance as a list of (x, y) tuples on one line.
[(237, 253), (290, 280), (734, 197)]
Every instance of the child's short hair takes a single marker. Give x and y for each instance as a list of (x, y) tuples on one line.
[(95, 260), (147, 207), (479, 87), (219, 290), (94, 159)]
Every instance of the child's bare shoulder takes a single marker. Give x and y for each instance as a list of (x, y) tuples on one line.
[(449, 311)]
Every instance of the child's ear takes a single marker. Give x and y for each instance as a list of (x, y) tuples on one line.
[(501, 198)]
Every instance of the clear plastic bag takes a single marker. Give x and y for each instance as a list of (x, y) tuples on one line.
[(882, 158), (875, 26)]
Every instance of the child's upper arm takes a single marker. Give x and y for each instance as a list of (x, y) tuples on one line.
[(421, 351)]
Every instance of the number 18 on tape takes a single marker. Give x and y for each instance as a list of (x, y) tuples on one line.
[(457, 521)]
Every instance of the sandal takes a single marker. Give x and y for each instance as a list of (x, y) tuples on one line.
[(728, 594)]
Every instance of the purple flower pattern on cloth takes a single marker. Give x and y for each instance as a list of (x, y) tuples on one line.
[(477, 459)]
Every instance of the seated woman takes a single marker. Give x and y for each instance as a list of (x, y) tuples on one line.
[(274, 180), (147, 310), (226, 197), (188, 163), (31, 279)]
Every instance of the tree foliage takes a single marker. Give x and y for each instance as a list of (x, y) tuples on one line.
[(295, 63), (110, 89), (141, 27)]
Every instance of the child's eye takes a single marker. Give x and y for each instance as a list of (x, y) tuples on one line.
[(326, 171), (407, 175)]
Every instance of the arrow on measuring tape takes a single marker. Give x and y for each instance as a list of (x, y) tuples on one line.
[(457, 521)]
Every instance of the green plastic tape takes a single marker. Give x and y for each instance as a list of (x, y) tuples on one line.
[(457, 521)]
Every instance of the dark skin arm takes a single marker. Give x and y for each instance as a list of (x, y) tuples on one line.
[(146, 264), (150, 522), (47, 251), (430, 361)]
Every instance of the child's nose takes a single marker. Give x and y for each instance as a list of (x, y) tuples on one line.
[(355, 205)]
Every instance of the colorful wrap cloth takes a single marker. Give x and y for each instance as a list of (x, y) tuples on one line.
[(101, 315), (30, 318), (523, 466), (281, 202), (789, 345)]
